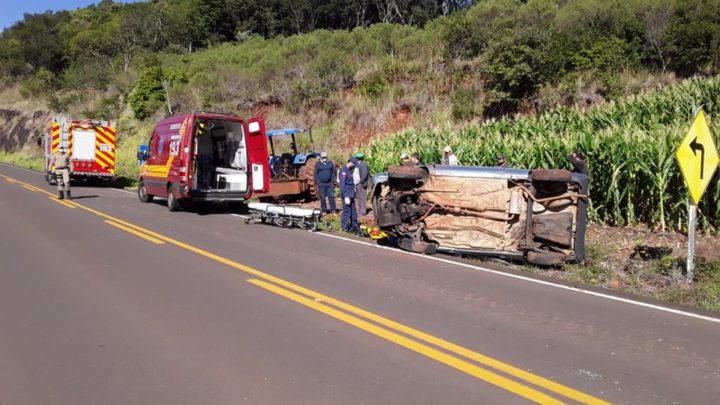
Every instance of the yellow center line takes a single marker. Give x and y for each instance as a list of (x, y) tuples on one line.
[(61, 202), (31, 188), (134, 232), (437, 355), (465, 352)]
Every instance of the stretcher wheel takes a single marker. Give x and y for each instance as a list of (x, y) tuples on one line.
[(247, 221)]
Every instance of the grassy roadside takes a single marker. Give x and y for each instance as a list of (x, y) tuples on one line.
[(651, 267), (23, 160)]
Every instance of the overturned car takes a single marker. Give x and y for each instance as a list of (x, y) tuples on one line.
[(534, 215)]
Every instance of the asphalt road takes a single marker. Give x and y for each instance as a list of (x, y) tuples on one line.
[(106, 300)]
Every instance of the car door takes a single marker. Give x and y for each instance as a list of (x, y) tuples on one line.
[(154, 170), (256, 142)]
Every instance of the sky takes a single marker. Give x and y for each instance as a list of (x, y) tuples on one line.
[(13, 10)]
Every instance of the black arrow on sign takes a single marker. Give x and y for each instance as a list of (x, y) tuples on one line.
[(695, 146)]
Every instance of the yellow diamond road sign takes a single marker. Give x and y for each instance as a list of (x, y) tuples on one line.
[(697, 157)]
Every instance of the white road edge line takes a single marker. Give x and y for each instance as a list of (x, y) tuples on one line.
[(36, 171), (121, 190), (21, 168), (532, 280)]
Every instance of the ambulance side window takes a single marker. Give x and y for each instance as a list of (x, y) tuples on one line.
[(153, 144), (161, 146)]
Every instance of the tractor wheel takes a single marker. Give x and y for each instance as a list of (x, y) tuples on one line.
[(307, 173)]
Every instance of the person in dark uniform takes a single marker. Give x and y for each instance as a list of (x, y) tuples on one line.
[(348, 222), (577, 159), (324, 178)]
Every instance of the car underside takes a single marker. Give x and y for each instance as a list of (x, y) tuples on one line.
[(534, 215)]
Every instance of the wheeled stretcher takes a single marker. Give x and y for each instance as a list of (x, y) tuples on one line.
[(287, 216)]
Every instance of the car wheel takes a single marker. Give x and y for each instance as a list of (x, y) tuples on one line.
[(172, 203), (143, 195), (407, 172), (550, 175), (417, 246)]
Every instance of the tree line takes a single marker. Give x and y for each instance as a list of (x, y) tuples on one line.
[(487, 57), (115, 33)]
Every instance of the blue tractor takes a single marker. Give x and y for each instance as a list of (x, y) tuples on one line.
[(293, 173)]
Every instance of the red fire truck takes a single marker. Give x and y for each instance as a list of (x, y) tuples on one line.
[(90, 144)]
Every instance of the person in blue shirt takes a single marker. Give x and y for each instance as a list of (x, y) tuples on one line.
[(348, 222), (324, 178)]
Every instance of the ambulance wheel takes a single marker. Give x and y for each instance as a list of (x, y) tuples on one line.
[(143, 195), (172, 203)]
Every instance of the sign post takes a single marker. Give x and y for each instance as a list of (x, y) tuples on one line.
[(698, 160), (692, 224)]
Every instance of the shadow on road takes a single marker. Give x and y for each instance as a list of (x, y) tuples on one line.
[(208, 208), (82, 197)]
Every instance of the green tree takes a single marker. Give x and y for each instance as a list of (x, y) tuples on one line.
[(694, 37), (148, 94), (32, 44)]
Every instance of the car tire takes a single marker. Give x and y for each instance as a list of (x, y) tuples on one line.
[(143, 195), (546, 259), (550, 175), (406, 172), (172, 203), (417, 246)]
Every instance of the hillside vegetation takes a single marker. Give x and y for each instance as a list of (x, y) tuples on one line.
[(354, 67)]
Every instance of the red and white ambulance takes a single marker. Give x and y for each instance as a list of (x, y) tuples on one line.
[(204, 157)]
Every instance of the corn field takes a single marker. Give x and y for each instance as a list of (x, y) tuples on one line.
[(629, 146)]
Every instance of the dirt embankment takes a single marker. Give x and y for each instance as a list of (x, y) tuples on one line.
[(18, 127)]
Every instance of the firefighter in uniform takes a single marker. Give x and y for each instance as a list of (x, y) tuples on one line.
[(63, 166), (348, 222)]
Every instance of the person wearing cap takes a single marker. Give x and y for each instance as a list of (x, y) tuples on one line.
[(577, 159), (63, 167), (348, 222), (364, 179), (501, 160), (324, 177), (416, 161), (449, 158), (405, 160)]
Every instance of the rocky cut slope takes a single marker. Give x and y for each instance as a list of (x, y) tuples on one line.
[(21, 127)]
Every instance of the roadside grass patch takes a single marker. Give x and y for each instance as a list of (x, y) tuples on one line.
[(23, 160)]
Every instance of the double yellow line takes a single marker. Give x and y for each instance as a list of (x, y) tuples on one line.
[(517, 381), (70, 204)]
